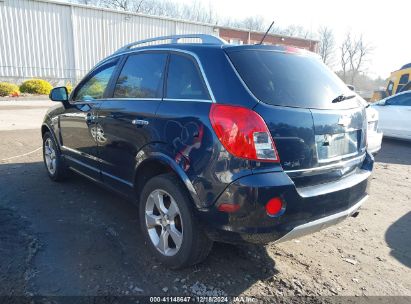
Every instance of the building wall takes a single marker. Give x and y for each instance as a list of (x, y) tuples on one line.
[(246, 37), (61, 42)]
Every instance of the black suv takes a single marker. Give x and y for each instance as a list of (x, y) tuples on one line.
[(214, 142)]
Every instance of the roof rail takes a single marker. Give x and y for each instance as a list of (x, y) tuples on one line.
[(174, 39)]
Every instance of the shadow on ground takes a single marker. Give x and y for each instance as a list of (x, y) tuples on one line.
[(394, 152), (89, 243), (398, 238)]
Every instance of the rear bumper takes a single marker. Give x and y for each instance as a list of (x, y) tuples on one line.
[(321, 223), (308, 209)]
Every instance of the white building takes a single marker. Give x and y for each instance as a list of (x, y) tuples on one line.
[(62, 41)]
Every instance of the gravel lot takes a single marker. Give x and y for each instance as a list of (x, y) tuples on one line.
[(74, 238)]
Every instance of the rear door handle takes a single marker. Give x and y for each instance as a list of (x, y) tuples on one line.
[(139, 122)]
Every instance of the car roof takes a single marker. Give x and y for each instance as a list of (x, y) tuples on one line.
[(195, 47)]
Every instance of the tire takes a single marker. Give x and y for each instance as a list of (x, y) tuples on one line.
[(186, 241), (52, 159)]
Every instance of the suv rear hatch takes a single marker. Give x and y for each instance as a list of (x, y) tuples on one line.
[(319, 137)]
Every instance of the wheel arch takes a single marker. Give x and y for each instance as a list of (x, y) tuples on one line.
[(46, 128), (159, 163)]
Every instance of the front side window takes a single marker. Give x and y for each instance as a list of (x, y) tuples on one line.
[(184, 80), (141, 76), (94, 87)]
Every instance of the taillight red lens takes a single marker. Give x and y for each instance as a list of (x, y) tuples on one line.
[(274, 206), (228, 207), (243, 133)]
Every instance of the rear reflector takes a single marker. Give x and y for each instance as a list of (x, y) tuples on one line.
[(243, 133), (228, 207), (274, 206)]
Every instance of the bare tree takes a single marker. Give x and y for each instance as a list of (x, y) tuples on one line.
[(345, 58), (354, 53), (358, 56), (124, 5), (294, 30), (88, 2), (254, 23), (327, 44)]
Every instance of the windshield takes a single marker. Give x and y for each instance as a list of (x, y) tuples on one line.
[(288, 79)]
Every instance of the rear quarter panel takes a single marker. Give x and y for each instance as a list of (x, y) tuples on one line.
[(185, 129)]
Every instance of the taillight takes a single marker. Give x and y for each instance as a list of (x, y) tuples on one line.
[(243, 133)]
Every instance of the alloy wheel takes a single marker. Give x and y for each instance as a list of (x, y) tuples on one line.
[(163, 222), (50, 156)]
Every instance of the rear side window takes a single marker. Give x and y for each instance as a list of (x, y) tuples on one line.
[(288, 79), (184, 80), (141, 76)]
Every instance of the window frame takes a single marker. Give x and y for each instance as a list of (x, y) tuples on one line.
[(98, 68), (121, 58), (112, 85), (199, 72)]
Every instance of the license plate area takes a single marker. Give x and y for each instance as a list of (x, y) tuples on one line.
[(333, 147)]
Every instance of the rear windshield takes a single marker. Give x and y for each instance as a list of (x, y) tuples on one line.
[(288, 79)]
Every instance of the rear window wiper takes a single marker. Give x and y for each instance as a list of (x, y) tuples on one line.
[(342, 97)]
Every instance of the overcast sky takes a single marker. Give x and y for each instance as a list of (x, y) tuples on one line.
[(384, 24)]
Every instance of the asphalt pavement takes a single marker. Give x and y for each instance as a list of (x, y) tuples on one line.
[(75, 238)]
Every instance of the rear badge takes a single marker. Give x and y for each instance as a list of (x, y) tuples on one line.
[(292, 164)]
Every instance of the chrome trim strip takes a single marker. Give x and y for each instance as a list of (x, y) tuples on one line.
[(84, 155), (182, 100), (336, 158), (343, 183), (85, 175), (210, 92), (117, 179), (321, 223), (81, 163), (130, 98), (340, 165), (91, 167), (71, 150)]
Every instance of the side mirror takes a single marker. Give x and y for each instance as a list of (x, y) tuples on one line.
[(59, 94)]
